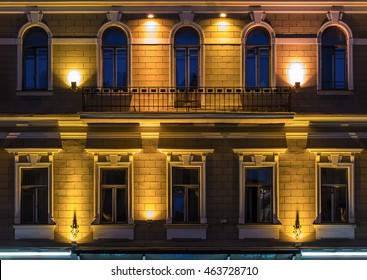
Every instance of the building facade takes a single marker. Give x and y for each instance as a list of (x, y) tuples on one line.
[(241, 124)]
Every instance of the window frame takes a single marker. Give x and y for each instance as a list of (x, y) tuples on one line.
[(21, 91), (348, 57), (126, 30)]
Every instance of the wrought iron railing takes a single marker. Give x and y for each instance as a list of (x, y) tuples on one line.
[(173, 99)]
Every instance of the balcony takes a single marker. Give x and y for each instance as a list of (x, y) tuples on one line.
[(173, 99)]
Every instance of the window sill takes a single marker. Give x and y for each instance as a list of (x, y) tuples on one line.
[(34, 231), (113, 231), (186, 231), (269, 231), (335, 231), (335, 92), (35, 93)]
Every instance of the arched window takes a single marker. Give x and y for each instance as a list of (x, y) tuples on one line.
[(187, 46), (334, 59), (114, 49), (257, 61), (35, 59)]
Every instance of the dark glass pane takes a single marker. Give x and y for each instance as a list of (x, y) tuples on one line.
[(259, 176), (121, 205), (27, 205), (180, 67), (334, 204), (108, 66), (114, 36), (106, 205), (327, 68), (251, 205), (121, 68), (326, 204), (265, 211), (41, 70), (340, 69), (178, 207), (193, 205), (29, 81), (187, 36), (194, 67), (334, 176), (250, 68), (42, 205), (258, 37), (35, 37), (341, 205), (264, 67), (35, 177), (333, 36), (113, 176), (185, 176)]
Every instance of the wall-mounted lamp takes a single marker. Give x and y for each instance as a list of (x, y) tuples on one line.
[(297, 231), (296, 73), (74, 231), (74, 80), (223, 15), (149, 215), (150, 16)]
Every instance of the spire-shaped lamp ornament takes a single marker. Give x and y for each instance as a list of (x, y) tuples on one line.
[(297, 231), (74, 231)]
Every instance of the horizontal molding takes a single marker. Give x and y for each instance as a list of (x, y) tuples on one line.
[(150, 41), (8, 41), (295, 41), (222, 41), (74, 41)]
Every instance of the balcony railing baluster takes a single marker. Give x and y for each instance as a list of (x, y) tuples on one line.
[(178, 99)]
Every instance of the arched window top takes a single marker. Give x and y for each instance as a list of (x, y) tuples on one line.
[(35, 36), (187, 36), (333, 35), (258, 37), (114, 36)]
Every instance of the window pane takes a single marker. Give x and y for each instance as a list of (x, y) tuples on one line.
[(29, 71), (251, 205), (178, 207), (114, 36), (41, 70), (250, 68), (258, 37), (193, 205), (333, 204), (194, 67), (333, 36), (187, 36), (340, 75), (28, 205), (121, 205), (106, 205), (259, 176), (327, 68), (121, 68), (334, 176), (42, 205), (264, 67), (36, 37), (108, 65), (185, 176), (35, 177), (113, 176), (265, 211), (180, 67)]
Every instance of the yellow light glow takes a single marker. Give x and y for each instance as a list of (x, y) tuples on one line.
[(296, 73), (150, 214), (223, 15), (150, 16), (151, 26), (223, 26), (74, 76)]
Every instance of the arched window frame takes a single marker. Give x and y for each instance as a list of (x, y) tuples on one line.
[(200, 32), (21, 34), (100, 33), (349, 55), (245, 33)]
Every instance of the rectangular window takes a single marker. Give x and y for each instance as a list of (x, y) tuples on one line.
[(34, 195), (334, 74), (114, 67), (187, 67), (334, 195), (185, 194), (257, 67), (258, 193), (35, 69), (114, 205)]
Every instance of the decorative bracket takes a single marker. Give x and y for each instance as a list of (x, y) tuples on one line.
[(34, 16), (187, 17), (114, 16)]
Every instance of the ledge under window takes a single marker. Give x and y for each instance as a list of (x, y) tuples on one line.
[(34, 231), (116, 231), (35, 93), (186, 231), (335, 92), (335, 231), (270, 231)]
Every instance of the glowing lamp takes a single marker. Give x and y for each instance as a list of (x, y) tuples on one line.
[(223, 15), (296, 74), (74, 230), (150, 16), (150, 215), (297, 231), (74, 79)]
